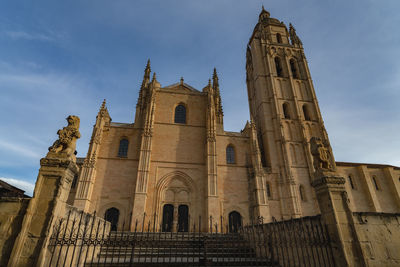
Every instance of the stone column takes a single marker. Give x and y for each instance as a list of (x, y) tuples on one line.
[(56, 173)]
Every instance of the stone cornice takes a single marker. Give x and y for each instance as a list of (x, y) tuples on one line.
[(328, 180), (59, 163)]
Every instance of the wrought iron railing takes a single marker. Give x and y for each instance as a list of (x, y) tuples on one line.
[(84, 240)]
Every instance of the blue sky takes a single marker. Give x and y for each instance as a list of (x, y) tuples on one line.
[(64, 57)]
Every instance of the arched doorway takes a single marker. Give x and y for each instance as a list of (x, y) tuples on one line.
[(235, 221), (183, 218), (112, 215), (168, 218)]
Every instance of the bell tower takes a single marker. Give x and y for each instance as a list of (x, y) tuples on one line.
[(286, 114)]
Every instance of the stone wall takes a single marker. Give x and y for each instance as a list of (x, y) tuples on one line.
[(379, 237), (12, 211)]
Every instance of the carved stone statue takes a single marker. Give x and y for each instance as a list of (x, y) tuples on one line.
[(321, 155), (293, 36), (67, 136)]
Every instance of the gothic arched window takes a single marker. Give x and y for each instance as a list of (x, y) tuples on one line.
[(306, 113), (293, 68), (180, 114), (112, 215), (302, 193), (278, 66), (230, 154), (286, 110), (123, 148), (279, 38)]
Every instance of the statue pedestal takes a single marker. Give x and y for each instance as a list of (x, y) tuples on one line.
[(336, 214), (48, 203)]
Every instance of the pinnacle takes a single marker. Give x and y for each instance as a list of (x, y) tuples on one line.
[(103, 105)]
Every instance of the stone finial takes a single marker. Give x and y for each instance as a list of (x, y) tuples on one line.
[(182, 80), (264, 15), (65, 145), (293, 36)]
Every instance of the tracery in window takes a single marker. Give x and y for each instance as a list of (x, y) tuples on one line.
[(230, 154)]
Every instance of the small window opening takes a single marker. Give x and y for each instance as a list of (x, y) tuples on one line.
[(375, 183), (351, 182), (268, 190), (279, 38), (293, 68), (123, 148), (230, 155), (180, 114), (278, 65), (306, 113), (286, 112), (302, 193)]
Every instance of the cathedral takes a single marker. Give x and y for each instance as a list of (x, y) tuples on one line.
[(175, 165)]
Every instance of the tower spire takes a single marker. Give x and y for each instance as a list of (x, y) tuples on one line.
[(217, 96)]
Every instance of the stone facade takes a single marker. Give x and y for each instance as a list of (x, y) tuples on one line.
[(177, 161), (269, 169)]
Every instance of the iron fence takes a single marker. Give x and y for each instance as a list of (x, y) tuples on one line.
[(85, 240)]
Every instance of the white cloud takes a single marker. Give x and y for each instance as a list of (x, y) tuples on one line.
[(27, 187), (18, 35), (23, 151)]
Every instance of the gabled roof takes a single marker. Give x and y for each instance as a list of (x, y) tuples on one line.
[(182, 86)]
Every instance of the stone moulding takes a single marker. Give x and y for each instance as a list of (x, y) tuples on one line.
[(63, 163), (330, 180)]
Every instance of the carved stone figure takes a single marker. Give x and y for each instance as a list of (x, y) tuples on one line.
[(321, 154), (293, 36), (67, 137)]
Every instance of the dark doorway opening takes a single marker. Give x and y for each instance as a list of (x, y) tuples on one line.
[(235, 221), (168, 218), (112, 215), (183, 218)]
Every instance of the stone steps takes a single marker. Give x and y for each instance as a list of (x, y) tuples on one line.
[(177, 249)]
